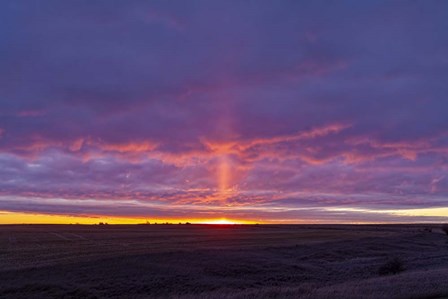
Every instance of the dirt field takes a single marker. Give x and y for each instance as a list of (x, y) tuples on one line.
[(200, 261)]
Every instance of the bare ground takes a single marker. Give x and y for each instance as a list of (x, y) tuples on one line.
[(198, 261)]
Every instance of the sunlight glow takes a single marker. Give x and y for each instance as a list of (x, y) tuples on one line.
[(31, 218), (219, 221), (223, 174)]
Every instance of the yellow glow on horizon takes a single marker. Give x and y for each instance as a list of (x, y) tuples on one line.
[(403, 213), (33, 218), (426, 212), (29, 218)]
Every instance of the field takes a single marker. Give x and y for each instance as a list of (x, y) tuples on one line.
[(223, 261)]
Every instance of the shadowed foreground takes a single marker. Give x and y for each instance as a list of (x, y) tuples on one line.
[(199, 261)]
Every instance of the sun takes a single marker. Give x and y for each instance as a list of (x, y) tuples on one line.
[(219, 221)]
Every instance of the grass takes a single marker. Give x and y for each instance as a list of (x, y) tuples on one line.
[(426, 284), (198, 261), (445, 228), (392, 266)]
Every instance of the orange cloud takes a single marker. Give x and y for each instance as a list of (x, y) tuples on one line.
[(407, 149), (132, 147), (238, 146)]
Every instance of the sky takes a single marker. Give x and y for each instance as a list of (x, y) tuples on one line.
[(241, 111)]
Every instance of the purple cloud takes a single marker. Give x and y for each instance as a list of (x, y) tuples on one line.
[(241, 107)]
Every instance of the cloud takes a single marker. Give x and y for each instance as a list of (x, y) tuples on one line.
[(226, 104)]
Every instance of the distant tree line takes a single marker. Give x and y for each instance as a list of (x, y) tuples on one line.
[(165, 223)]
